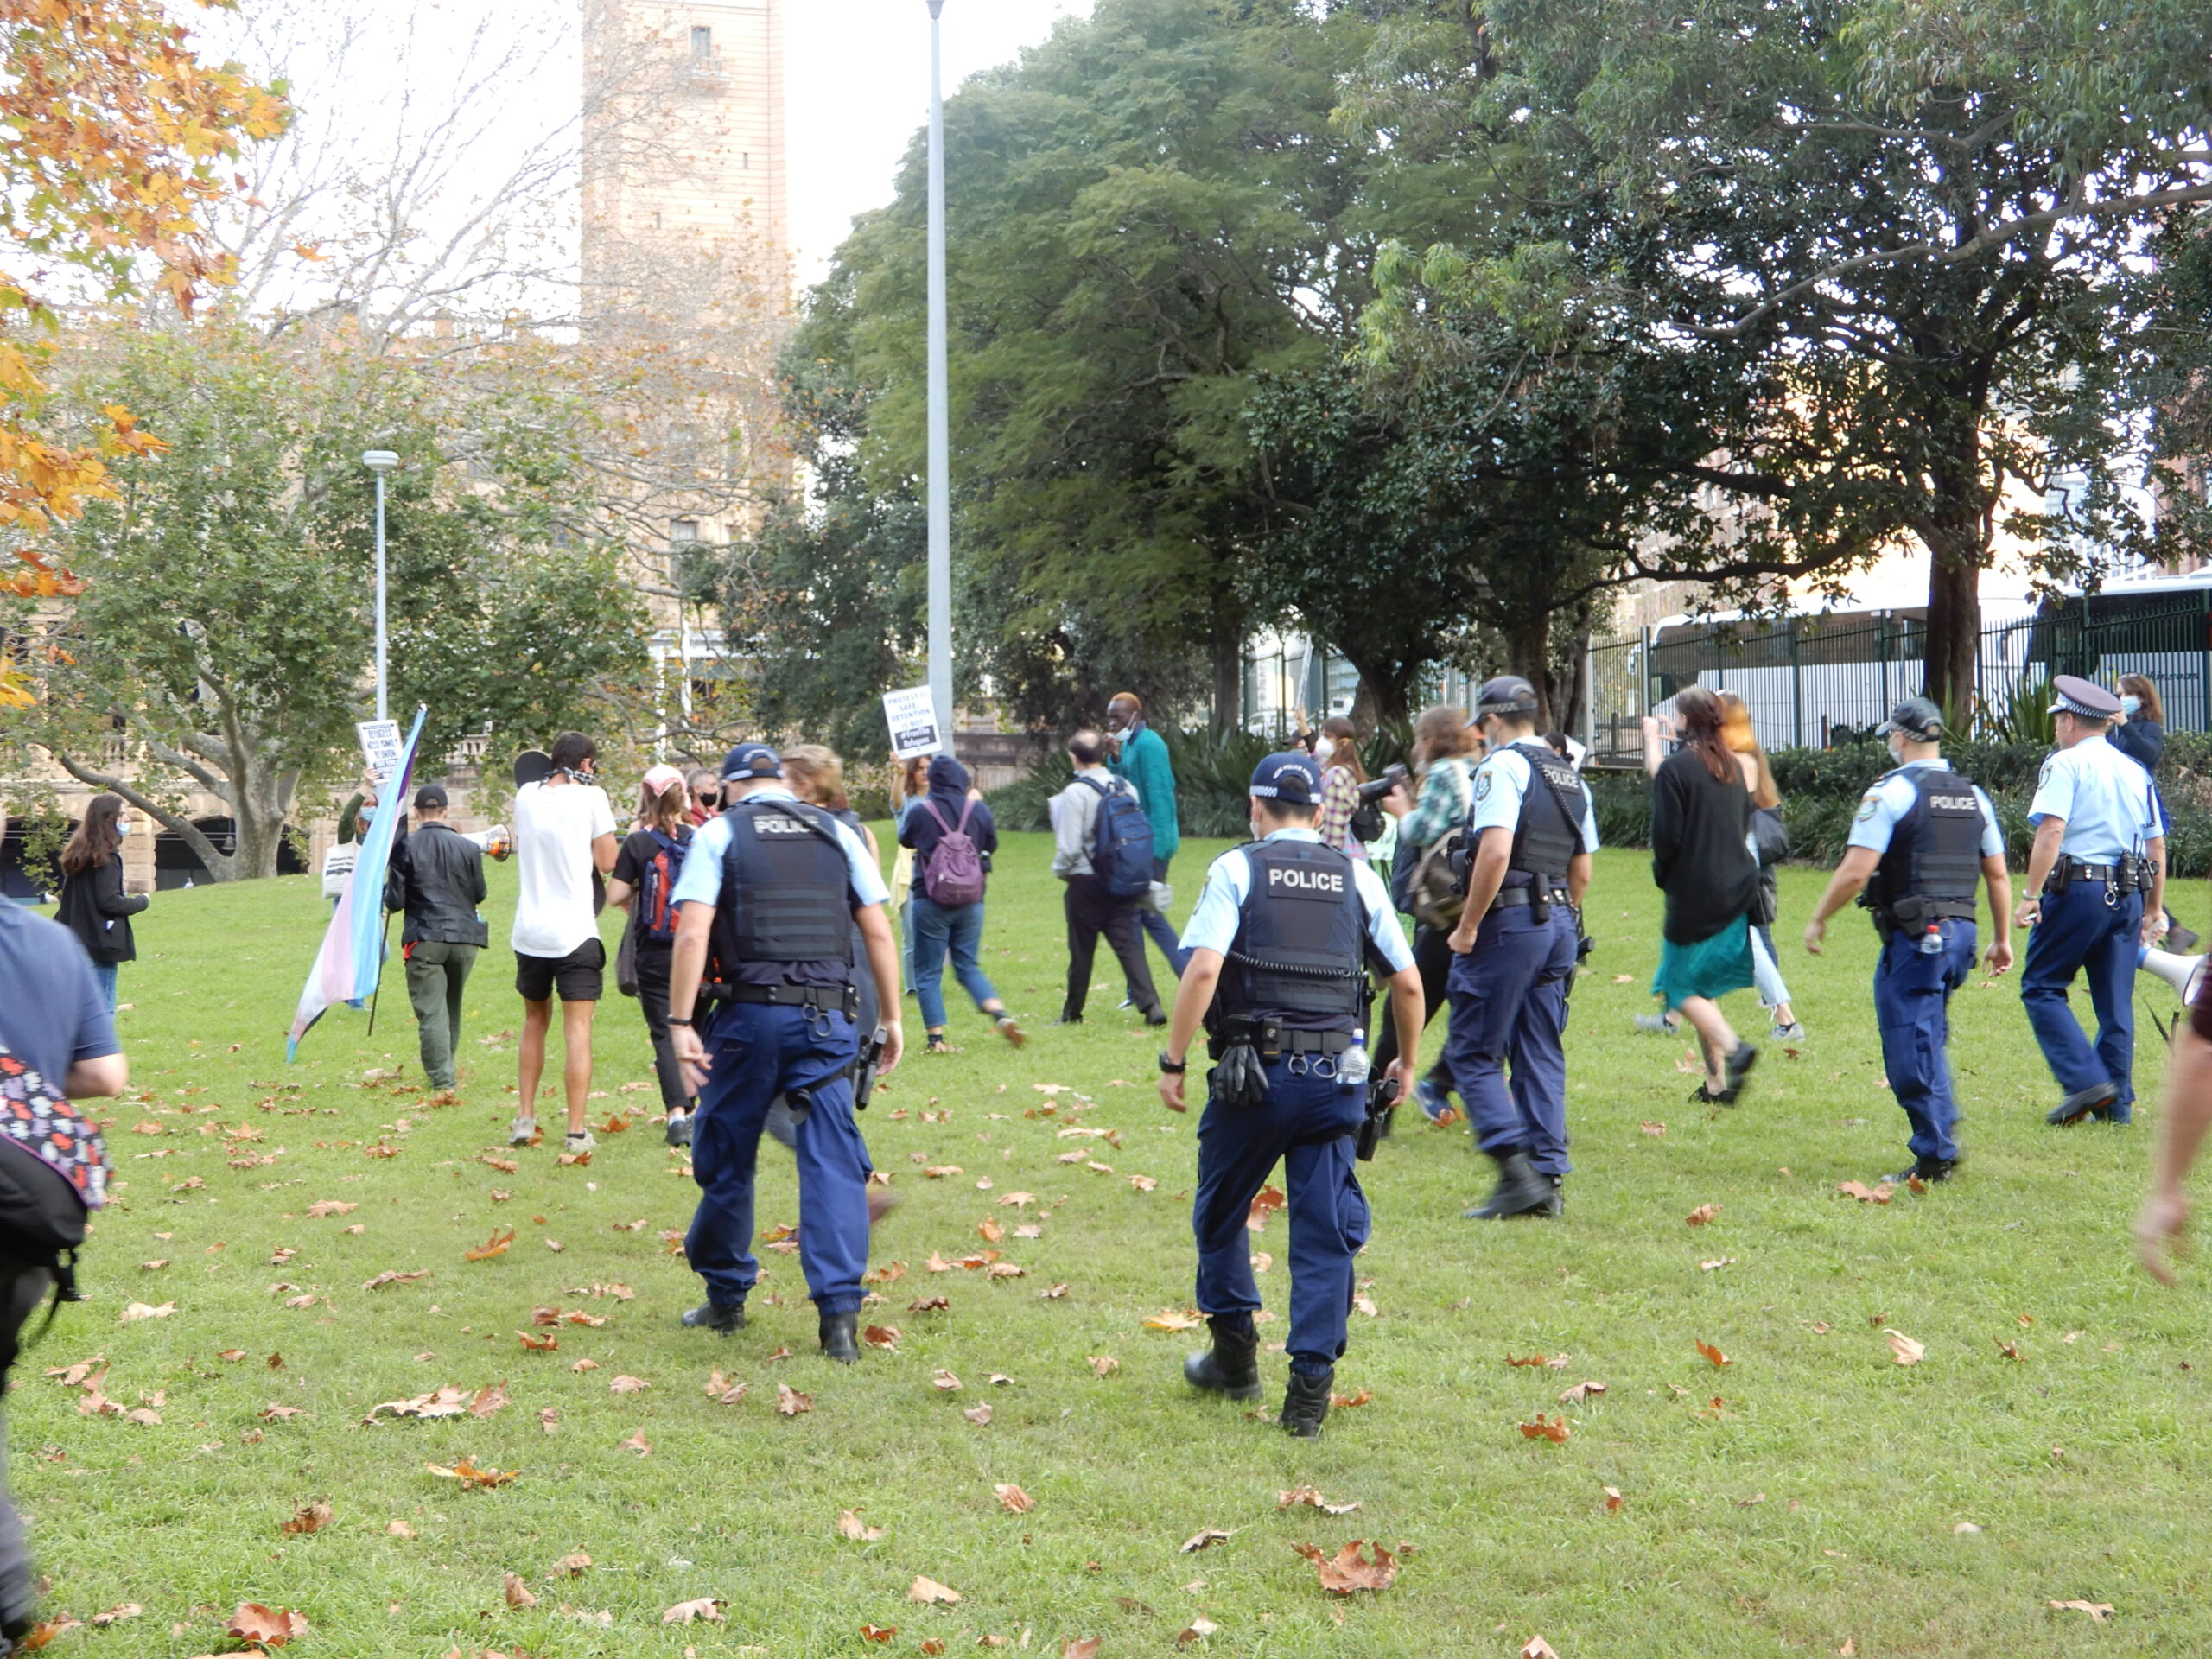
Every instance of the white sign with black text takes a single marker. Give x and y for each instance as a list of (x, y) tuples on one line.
[(381, 746), (911, 715)]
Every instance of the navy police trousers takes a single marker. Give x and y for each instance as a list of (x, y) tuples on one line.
[(1310, 1123), (1912, 1008), (2081, 931), (1509, 1003), (761, 1051)]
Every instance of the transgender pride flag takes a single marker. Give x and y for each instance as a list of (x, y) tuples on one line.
[(351, 960)]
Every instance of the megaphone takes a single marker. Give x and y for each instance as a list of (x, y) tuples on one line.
[(495, 840), (2184, 973)]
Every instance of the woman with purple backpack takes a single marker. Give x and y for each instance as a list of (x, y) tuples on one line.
[(953, 837)]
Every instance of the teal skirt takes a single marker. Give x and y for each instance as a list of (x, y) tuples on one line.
[(1710, 968)]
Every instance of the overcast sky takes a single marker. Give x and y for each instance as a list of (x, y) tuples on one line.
[(856, 90)]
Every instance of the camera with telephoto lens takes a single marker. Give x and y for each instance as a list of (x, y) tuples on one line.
[(1367, 816)]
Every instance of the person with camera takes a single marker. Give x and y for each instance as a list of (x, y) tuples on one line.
[(1515, 946), (1923, 837), (1281, 942), (1422, 885), (2096, 891), (767, 898), (436, 878)]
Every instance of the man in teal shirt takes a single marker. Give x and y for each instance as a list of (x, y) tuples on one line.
[(1140, 754)]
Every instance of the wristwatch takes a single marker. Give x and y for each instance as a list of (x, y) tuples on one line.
[(1173, 1068), (673, 1020)]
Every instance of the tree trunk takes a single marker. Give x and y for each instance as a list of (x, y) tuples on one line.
[(1956, 534), (1528, 653), (1228, 649)]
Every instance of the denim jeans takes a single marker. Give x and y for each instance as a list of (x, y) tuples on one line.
[(936, 929), (104, 972)]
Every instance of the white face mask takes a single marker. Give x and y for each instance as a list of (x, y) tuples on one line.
[(1896, 746), (2129, 704), (122, 828), (1323, 748)]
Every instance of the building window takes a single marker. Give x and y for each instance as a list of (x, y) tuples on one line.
[(703, 43), (683, 541)]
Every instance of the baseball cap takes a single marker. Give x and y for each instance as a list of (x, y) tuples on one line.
[(1291, 778), (752, 760), (2075, 696), (660, 778), (1506, 693), (431, 797), (1915, 717)]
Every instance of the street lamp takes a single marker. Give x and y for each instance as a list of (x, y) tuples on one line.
[(380, 461), (940, 443)]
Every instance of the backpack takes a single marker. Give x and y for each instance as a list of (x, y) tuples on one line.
[(1435, 888), (1120, 846), (953, 871), (656, 883)]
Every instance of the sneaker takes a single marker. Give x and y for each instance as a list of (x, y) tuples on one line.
[(580, 1141), (679, 1129), (1434, 1102), (1792, 1033), (1010, 1028), (1657, 1024), (521, 1131)]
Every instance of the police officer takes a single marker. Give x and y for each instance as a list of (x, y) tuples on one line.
[(1922, 840), (769, 893), (2097, 851), (1531, 829), (1284, 930)]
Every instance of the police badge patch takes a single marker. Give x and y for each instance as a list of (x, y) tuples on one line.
[(1482, 785), (2044, 777), (1867, 804)]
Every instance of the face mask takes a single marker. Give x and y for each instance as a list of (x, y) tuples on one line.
[(2129, 704), (1896, 746), (1323, 748), (122, 828)]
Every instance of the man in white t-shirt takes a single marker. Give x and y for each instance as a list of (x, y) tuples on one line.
[(564, 829)]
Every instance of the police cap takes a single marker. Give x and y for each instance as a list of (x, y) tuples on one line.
[(1917, 718), (1291, 778), (752, 760), (2083, 698), (1506, 693)]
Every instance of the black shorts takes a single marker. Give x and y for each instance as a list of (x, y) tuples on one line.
[(580, 976)]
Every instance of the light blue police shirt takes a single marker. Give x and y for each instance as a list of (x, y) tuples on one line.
[(1213, 923), (700, 881), (2108, 802), (1881, 807), (1502, 783)]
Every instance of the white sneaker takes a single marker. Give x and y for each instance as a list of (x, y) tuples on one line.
[(1793, 1033), (580, 1141), (522, 1132)]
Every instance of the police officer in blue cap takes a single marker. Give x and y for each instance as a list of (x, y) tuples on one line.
[(1285, 932), (1531, 830), (768, 896), (1923, 840), (2098, 852)]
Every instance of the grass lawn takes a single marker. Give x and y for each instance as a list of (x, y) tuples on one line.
[(1809, 1495)]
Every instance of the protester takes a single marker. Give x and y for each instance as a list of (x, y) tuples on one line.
[(1337, 750), (1702, 859), (643, 886), (909, 783), (57, 1038), (1139, 756), (1088, 901), (564, 830), (706, 796), (95, 905), (953, 838), (437, 877), (2095, 895), (1769, 841), (782, 1023), (1443, 743)]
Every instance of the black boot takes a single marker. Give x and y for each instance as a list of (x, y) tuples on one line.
[(1556, 1204), (716, 1316), (2096, 1099), (1928, 1171), (1305, 1403), (840, 1336), (1231, 1366), (1520, 1190)]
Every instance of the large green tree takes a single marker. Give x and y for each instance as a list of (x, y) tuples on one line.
[(225, 640)]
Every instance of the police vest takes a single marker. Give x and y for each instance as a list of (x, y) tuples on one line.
[(1934, 853), (1547, 839), (1299, 954), (784, 916)]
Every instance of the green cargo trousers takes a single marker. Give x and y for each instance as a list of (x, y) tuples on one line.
[(436, 975)]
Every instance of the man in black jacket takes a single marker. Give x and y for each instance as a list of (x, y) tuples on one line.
[(437, 878)]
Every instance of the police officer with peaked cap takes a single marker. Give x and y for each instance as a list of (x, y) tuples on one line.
[(1921, 841), (1284, 933), (768, 896), (2098, 851), (1531, 830)]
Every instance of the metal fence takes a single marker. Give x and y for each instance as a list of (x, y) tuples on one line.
[(1809, 681)]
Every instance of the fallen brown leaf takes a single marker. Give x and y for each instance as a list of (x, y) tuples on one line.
[(1350, 1571), (1205, 1539), (1015, 1501), (1537, 1648), (390, 1276), (1554, 1429), (1308, 1496), (877, 1632), (2099, 1611), (1579, 1392), (638, 1444), (1904, 1350), (707, 1607), (1104, 1365), (501, 1240), (979, 1415), (1713, 1354), (1702, 1214), (309, 1518), (931, 1593), (790, 1402), (850, 1525), (468, 1474), (518, 1594), (252, 1622)]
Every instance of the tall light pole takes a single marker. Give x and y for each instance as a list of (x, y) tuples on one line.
[(380, 461), (940, 440)]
